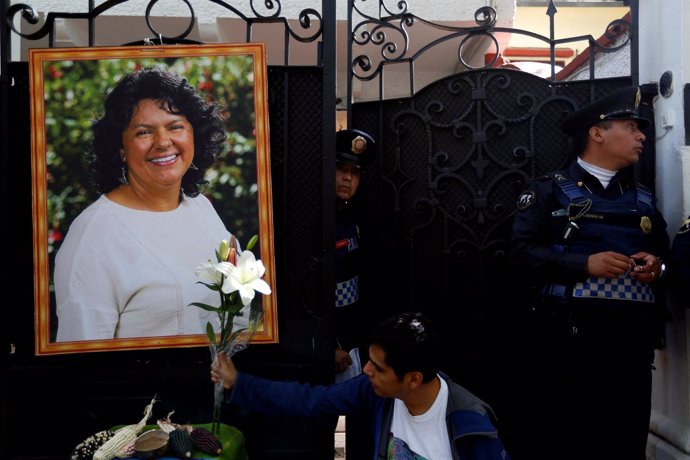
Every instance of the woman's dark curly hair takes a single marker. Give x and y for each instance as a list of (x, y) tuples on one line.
[(177, 96)]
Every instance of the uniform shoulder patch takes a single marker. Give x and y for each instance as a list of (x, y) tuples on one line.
[(526, 199), (685, 227)]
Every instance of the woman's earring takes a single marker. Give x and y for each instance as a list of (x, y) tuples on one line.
[(193, 166), (123, 176)]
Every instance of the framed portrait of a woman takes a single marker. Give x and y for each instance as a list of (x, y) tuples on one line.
[(146, 162)]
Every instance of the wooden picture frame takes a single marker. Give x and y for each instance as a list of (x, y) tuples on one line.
[(67, 87)]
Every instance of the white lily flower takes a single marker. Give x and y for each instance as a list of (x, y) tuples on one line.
[(209, 272), (245, 277)]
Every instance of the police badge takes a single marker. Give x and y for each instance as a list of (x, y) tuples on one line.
[(359, 145), (526, 200), (646, 225)]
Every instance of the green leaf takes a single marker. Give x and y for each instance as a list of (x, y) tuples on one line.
[(204, 306), (252, 242), (210, 333), (235, 309), (211, 286)]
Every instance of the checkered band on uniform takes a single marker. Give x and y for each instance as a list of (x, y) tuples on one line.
[(347, 292), (621, 288)]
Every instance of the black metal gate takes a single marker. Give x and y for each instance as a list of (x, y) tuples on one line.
[(437, 208)]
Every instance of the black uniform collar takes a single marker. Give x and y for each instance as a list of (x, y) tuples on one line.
[(620, 183)]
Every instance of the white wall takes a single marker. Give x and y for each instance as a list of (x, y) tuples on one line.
[(663, 47), (664, 37)]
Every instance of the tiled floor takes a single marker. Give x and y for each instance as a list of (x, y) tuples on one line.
[(340, 439)]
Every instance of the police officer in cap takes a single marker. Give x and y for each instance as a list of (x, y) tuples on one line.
[(355, 151), (591, 241)]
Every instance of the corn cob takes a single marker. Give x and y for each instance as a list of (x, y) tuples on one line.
[(122, 442), (118, 444), (205, 441), (180, 443), (86, 449)]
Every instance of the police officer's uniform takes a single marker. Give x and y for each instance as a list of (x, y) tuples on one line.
[(596, 336), (352, 321), (357, 148)]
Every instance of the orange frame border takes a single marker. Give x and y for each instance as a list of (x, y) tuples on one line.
[(37, 59)]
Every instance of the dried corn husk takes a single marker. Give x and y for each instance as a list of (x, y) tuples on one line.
[(122, 442)]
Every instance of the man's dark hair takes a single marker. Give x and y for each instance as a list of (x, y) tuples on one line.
[(580, 138), (175, 95), (410, 343)]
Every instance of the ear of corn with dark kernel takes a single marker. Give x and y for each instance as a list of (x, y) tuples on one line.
[(180, 443), (88, 447), (205, 441)]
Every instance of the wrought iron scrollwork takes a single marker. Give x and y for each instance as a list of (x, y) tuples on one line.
[(31, 16), (391, 34), (272, 6), (402, 7), (183, 35), (306, 22), (377, 42), (310, 20), (614, 31), (473, 140)]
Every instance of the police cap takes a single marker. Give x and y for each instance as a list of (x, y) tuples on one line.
[(355, 147), (620, 105)]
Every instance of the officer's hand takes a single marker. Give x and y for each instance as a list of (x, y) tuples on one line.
[(342, 360), (609, 264), (224, 369), (647, 267)]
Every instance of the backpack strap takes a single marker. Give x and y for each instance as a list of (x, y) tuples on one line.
[(578, 204), (569, 189), (644, 198), (386, 422)]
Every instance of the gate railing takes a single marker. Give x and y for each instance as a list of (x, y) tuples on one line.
[(307, 28), (387, 41)]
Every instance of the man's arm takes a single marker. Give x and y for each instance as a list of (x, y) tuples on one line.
[(292, 398)]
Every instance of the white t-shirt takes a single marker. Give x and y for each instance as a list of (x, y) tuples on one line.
[(123, 273), (424, 435)]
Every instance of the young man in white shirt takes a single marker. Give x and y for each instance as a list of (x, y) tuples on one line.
[(414, 410)]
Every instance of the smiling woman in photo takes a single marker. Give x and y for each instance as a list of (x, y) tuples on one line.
[(126, 267)]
